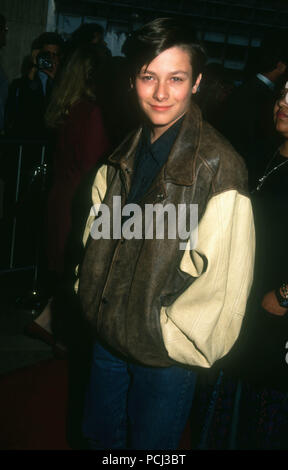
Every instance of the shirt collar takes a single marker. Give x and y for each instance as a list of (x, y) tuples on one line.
[(44, 78), (164, 143)]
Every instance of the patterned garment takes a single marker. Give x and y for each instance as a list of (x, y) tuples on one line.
[(234, 414)]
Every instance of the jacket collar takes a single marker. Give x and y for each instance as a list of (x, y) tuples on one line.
[(181, 163)]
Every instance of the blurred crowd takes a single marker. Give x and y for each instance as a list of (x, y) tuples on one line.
[(25, 103), (73, 97)]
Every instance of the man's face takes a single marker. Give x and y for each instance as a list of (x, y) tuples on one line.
[(54, 52), (164, 88), (97, 38), (281, 112)]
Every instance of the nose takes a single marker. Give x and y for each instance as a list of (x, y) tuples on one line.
[(161, 91)]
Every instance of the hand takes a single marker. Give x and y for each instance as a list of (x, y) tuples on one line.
[(50, 72), (271, 305), (34, 54), (33, 70)]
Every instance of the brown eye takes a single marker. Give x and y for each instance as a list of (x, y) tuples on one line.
[(282, 94), (146, 78)]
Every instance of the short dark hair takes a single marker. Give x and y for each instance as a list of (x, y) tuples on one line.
[(47, 38), (85, 33), (143, 45), (273, 49)]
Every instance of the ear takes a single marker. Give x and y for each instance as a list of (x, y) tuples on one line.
[(197, 83)]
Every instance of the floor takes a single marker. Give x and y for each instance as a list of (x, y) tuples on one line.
[(57, 383), (16, 349)]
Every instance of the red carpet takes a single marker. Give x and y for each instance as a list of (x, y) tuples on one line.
[(33, 412), (34, 406)]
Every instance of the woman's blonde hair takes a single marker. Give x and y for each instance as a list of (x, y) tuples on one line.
[(79, 79)]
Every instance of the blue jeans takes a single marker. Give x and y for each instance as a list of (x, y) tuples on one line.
[(130, 406)]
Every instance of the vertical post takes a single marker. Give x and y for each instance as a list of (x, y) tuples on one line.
[(42, 176), (16, 201), (43, 151)]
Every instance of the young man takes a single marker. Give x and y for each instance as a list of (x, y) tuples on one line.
[(161, 304)]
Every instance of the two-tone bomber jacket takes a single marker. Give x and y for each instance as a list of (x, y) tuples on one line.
[(147, 299)]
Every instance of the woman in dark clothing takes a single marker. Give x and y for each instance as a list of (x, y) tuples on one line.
[(270, 199), (248, 402), (74, 112), (82, 141)]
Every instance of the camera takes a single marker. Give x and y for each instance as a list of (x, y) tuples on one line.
[(44, 61)]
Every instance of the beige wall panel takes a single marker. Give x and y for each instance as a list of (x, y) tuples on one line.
[(26, 19)]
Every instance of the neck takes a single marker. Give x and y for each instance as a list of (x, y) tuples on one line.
[(283, 149), (157, 132)]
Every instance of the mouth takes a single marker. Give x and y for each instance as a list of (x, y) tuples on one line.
[(160, 108), (281, 115)]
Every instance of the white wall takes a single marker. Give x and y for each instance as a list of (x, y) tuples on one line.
[(26, 19)]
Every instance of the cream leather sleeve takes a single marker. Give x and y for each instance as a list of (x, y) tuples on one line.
[(98, 192), (203, 323)]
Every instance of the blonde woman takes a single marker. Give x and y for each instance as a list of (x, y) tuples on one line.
[(74, 113)]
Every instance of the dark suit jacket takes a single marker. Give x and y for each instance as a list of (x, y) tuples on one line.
[(25, 109)]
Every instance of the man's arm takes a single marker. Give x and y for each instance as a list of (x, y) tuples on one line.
[(98, 193), (203, 323)]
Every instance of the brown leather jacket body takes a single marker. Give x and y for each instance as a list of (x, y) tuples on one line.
[(125, 284)]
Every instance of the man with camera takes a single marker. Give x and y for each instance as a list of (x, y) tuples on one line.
[(28, 96), (46, 50)]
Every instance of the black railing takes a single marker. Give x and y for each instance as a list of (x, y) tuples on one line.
[(24, 167)]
